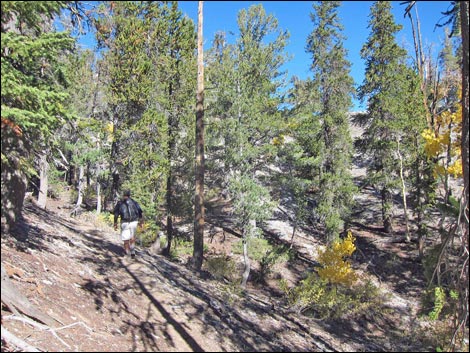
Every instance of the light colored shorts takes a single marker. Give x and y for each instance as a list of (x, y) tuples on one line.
[(128, 230)]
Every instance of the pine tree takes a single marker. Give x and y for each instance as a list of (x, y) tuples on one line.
[(83, 143), (34, 103), (121, 33), (384, 63), (246, 101), (334, 87), (175, 61), (150, 76)]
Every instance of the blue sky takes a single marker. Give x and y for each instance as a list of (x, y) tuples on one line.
[(295, 17)]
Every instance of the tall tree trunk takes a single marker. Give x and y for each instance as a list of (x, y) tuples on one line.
[(81, 176), (246, 259), (113, 178), (448, 162), (88, 175), (420, 61), (172, 126), (387, 210), (463, 278), (199, 197), (71, 171), (43, 180), (169, 214), (464, 18), (403, 189), (420, 210), (13, 179), (98, 197)]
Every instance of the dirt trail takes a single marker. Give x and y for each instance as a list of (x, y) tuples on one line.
[(76, 274)]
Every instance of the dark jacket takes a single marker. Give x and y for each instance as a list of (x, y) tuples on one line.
[(129, 211)]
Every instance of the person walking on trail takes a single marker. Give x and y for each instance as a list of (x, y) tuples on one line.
[(131, 215)]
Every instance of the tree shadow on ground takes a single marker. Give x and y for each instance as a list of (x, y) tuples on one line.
[(208, 304), (29, 236), (240, 323)]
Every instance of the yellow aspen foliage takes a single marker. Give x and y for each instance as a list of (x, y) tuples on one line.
[(278, 140), (336, 269), (110, 130), (144, 227), (447, 137), (434, 145), (456, 168)]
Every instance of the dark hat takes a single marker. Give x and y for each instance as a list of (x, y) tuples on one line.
[(127, 193)]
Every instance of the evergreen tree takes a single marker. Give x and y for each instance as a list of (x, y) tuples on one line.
[(175, 62), (121, 32), (150, 75), (246, 108), (334, 88), (83, 143), (381, 86), (34, 103)]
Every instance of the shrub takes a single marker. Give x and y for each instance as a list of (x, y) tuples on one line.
[(221, 267), (442, 302), (182, 247), (258, 248), (319, 298), (439, 301), (266, 254), (147, 234), (335, 268), (332, 292), (277, 254)]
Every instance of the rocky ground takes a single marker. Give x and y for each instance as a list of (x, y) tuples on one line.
[(74, 271)]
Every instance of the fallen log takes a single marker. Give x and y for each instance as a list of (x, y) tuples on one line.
[(10, 338), (16, 301)]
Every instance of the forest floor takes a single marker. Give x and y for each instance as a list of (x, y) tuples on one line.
[(74, 271)]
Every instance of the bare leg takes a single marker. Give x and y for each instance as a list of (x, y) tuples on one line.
[(126, 246), (132, 244)]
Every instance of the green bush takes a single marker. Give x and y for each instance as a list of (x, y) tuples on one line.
[(317, 297), (147, 235), (438, 303), (182, 247), (266, 254), (277, 254), (221, 267), (257, 248)]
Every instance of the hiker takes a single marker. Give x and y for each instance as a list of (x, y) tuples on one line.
[(131, 216)]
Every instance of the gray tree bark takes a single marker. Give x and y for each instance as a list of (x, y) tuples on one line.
[(199, 197), (43, 180)]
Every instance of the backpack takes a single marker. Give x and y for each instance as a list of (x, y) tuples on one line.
[(129, 211)]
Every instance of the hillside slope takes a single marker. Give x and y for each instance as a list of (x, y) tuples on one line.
[(74, 271)]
